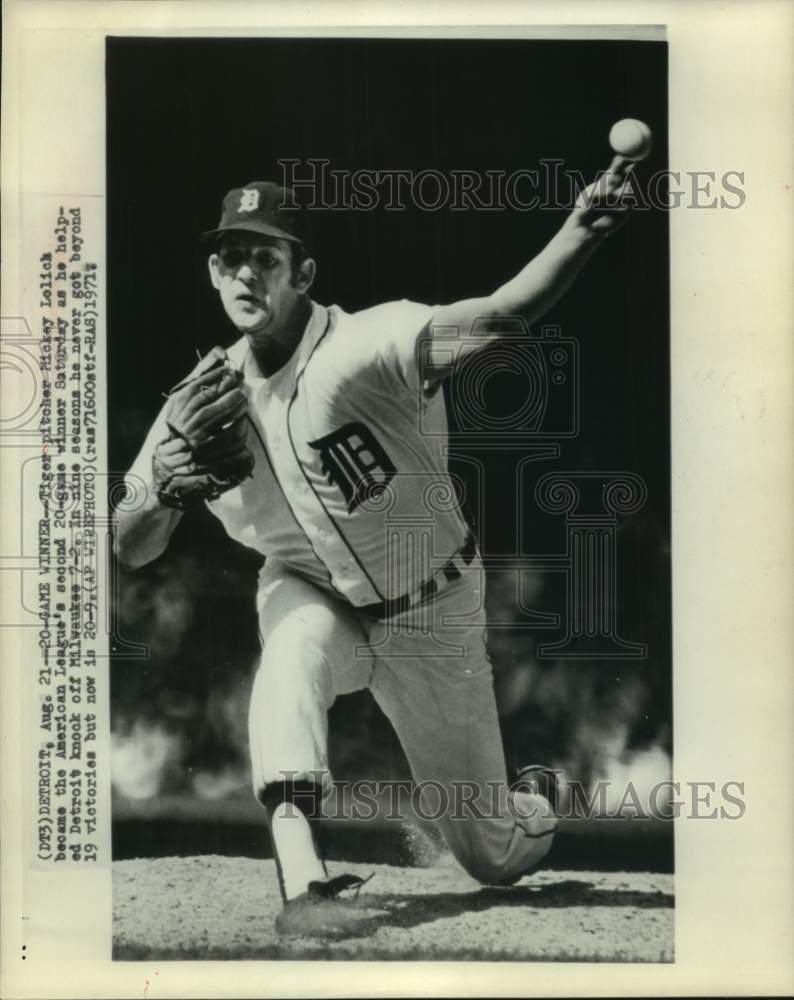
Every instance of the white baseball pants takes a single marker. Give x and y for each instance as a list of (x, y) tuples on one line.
[(429, 672)]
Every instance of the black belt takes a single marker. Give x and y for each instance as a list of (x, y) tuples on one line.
[(449, 572)]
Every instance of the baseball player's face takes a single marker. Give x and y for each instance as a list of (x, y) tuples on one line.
[(253, 275)]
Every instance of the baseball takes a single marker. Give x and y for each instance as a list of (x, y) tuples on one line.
[(631, 138)]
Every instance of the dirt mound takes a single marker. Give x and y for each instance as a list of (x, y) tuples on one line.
[(224, 908)]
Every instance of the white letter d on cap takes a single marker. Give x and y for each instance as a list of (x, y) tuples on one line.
[(249, 200)]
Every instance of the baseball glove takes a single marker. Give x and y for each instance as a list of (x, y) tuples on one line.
[(205, 453)]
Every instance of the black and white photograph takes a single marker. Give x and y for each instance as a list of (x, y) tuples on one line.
[(395, 437), (389, 380)]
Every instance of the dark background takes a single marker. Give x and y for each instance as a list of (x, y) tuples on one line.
[(188, 119)]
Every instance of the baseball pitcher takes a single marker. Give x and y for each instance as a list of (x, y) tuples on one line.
[(318, 439)]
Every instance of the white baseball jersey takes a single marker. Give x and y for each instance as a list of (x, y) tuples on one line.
[(350, 487)]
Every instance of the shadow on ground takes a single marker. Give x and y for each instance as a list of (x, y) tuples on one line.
[(224, 908), (408, 910)]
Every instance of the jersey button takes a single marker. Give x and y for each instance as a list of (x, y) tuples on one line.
[(276, 441)]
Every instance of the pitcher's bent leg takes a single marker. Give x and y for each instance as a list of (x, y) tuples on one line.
[(308, 657), (444, 712)]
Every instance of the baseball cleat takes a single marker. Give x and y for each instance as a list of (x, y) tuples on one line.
[(320, 912)]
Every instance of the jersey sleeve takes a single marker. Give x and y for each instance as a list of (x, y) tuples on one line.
[(390, 335)]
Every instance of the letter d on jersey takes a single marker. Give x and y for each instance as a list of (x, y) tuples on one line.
[(356, 462)]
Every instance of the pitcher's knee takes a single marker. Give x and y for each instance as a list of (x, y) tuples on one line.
[(500, 859), (487, 871), (293, 668)]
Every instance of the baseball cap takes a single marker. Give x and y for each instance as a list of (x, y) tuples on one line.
[(260, 207)]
